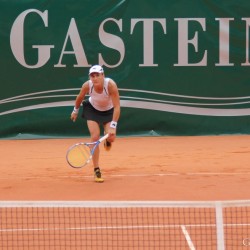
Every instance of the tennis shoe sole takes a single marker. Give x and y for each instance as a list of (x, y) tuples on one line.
[(107, 145), (99, 180)]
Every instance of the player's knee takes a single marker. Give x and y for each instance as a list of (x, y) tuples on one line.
[(95, 137)]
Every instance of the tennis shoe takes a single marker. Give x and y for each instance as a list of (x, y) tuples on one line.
[(107, 145), (98, 176)]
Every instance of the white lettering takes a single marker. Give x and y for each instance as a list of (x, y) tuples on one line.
[(183, 42), (17, 40), (148, 38), (224, 42), (111, 41), (247, 41), (186, 40), (78, 50)]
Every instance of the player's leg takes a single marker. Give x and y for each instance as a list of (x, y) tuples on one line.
[(107, 143), (94, 131)]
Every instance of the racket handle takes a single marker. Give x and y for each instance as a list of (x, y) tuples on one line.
[(104, 138)]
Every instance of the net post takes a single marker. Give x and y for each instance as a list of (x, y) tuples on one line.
[(219, 226)]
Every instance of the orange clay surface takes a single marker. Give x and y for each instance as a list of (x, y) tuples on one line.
[(137, 168)]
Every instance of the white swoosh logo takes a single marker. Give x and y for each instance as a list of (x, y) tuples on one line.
[(142, 103), (147, 105)]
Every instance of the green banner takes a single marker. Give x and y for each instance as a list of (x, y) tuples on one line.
[(182, 68)]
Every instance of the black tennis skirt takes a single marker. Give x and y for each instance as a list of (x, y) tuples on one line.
[(92, 114)]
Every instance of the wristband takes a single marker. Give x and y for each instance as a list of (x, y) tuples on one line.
[(113, 124), (75, 110)]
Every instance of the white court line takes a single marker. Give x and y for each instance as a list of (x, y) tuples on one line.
[(157, 175), (123, 175), (188, 238), (183, 227), (92, 228)]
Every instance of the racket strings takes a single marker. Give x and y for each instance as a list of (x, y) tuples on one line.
[(79, 155), (85, 151)]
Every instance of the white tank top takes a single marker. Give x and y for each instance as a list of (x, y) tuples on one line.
[(102, 101)]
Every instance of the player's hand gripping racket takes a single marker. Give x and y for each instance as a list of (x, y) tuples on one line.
[(80, 154)]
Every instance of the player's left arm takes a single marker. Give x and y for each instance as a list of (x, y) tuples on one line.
[(114, 93)]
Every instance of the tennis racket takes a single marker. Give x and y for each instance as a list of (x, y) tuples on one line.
[(80, 154)]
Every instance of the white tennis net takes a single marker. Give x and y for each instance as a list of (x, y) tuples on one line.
[(124, 225)]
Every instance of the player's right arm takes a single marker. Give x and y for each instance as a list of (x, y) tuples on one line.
[(79, 99)]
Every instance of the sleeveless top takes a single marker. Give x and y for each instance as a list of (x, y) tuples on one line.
[(102, 101)]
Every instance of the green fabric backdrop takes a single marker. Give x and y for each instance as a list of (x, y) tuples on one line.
[(182, 67)]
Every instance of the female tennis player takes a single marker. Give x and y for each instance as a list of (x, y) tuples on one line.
[(102, 108)]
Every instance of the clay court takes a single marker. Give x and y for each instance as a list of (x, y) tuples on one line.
[(174, 169), (198, 168)]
